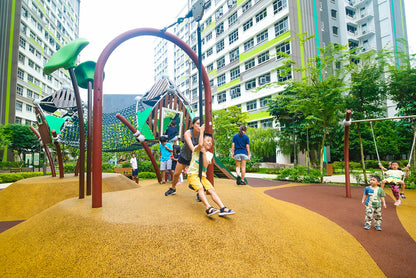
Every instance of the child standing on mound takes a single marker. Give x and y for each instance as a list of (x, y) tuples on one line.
[(204, 144), (372, 198)]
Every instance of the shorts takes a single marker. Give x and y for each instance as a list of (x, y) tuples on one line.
[(183, 161), (135, 172), (240, 157), (197, 183), (166, 165)]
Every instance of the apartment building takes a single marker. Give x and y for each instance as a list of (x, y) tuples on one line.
[(242, 41)]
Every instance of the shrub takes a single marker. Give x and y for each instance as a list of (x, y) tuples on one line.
[(147, 175), (300, 174), (126, 164), (145, 166), (12, 177)]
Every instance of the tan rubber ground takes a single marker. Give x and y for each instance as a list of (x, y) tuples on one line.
[(141, 233)]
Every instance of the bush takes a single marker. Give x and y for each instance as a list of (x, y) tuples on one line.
[(126, 164), (300, 174), (107, 167), (147, 175), (12, 177), (145, 166)]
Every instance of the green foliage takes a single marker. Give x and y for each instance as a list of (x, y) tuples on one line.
[(11, 164), (23, 140), (13, 177), (226, 123), (263, 143), (125, 164), (5, 137), (300, 174), (145, 166), (147, 175)]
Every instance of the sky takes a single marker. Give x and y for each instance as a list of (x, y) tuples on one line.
[(129, 70)]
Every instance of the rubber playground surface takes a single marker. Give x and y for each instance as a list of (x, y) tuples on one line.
[(280, 230)]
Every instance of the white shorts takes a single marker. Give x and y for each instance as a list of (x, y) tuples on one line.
[(166, 165)]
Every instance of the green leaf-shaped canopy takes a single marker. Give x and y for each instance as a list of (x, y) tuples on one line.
[(66, 56)]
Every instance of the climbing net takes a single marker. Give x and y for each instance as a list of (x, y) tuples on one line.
[(116, 136)]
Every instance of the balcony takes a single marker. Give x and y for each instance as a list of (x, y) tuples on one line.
[(363, 34)]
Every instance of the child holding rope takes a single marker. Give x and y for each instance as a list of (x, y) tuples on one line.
[(372, 198), (395, 180)]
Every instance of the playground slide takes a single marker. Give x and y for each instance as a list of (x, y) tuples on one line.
[(221, 171)]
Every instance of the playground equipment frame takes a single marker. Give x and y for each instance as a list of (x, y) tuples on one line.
[(98, 100), (347, 123)]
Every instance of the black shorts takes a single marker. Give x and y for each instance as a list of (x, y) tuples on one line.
[(183, 161), (135, 172)]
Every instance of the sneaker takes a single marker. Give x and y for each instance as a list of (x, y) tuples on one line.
[(367, 227), (162, 182), (397, 203), (378, 228), (242, 182), (238, 180), (197, 197), (171, 191)]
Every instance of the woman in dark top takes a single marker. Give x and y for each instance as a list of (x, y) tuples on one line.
[(240, 151), (191, 140)]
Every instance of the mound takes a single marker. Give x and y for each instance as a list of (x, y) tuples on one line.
[(27, 197), (140, 232)]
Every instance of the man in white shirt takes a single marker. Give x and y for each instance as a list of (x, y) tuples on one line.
[(134, 169)]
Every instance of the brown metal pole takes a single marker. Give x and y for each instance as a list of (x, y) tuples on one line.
[(347, 123), (81, 134), (89, 141), (59, 153), (98, 102), (144, 144), (47, 152)]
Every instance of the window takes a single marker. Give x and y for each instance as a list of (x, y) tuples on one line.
[(20, 74), (248, 24), (252, 124), (218, 13), (210, 67), (264, 79), (234, 54), (21, 58), (194, 79), (221, 97), (334, 13), (220, 45), (29, 93), (235, 73), (209, 36), (248, 44), (283, 75), (31, 64), (18, 120), (262, 36), (207, 4), (261, 15), (233, 36), (29, 108), (279, 5), (22, 43), (249, 64), (335, 30), (221, 80), (283, 47), (251, 84), (232, 19), (19, 105), (235, 92), (194, 93), (266, 123), (264, 101), (251, 105), (221, 62), (208, 21), (263, 57), (209, 52), (246, 6), (281, 26), (219, 29), (231, 3), (19, 90)]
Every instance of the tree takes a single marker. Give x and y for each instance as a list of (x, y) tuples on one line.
[(263, 143), (226, 123), (367, 91), (5, 137), (22, 139)]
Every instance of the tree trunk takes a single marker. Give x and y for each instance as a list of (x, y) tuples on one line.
[(362, 154), (321, 157)]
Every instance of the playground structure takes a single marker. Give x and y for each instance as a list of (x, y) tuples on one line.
[(347, 124), (145, 121)]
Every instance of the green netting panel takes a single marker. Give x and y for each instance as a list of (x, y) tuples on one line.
[(142, 126), (55, 123)]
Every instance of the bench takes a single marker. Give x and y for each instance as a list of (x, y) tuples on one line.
[(126, 172)]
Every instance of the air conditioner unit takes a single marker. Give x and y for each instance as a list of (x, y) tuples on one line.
[(362, 15), (364, 31)]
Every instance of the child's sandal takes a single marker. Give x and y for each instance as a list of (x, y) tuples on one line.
[(211, 211), (402, 196), (226, 211)]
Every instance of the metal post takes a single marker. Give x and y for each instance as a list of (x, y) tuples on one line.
[(201, 114), (347, 123)]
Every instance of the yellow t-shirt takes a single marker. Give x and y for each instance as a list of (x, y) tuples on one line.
[(194, 165)]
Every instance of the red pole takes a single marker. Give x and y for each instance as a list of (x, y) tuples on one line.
[(47, 152), (59, 153), (347, 123), (98, 100), (144, 144)]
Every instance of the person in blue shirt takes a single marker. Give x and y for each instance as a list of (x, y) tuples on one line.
[(166, 150), (172, 132), (240, 151)]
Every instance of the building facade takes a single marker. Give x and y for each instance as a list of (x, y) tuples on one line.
[(243, 42), (40, 28)]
